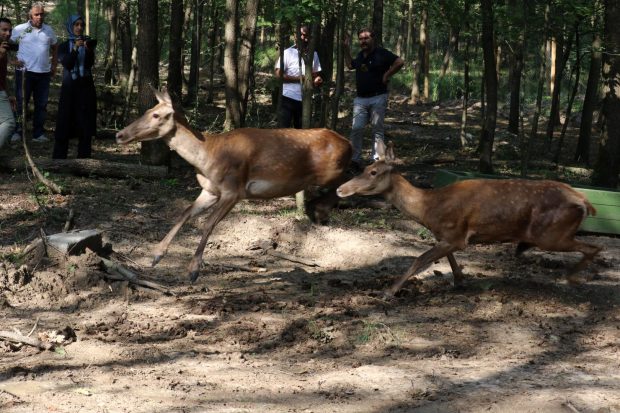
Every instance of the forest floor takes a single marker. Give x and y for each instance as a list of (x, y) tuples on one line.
[(259, 333)]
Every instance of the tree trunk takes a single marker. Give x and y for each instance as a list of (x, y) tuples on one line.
[(516, 64), (541, 77), (233, 104), (342, 21), (554, 113), (111, 12), (453, 41), (424, 52), (175, 67), (326, 57), (245, 70), (377, 21), (608, 162), (124, 28), (569, 107), (308, 84), (151, 152), (465, 76), (213, 48), (194, 63), (490, 80), (410, 33), (592, 95)]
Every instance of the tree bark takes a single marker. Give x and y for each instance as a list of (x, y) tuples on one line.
[(424, 52), (245, 69), (377, 21), (233, 104), (517, 10), (213, 48), (326, 58), (490, 79), (465, 75), (308, 84), (608, 161), (152, 152), (126, 43), (194, 64), (175, 66), (541, 77), (339, 65), (111, 12), (591, 98)]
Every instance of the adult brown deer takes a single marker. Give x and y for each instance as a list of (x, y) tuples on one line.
[(243, 164), (543, 214)]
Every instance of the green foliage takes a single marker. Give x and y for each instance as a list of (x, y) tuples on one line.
[(265, 58)]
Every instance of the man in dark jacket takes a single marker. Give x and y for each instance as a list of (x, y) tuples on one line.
[(374, 66)]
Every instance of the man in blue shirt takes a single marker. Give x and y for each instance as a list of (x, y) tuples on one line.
[(374, 66)]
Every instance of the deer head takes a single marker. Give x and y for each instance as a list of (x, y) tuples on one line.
[(157, 122), (376, 177)]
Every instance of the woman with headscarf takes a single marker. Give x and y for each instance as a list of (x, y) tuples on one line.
[(77, 107)]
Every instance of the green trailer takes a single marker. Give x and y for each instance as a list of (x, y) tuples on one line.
[(606, 201)]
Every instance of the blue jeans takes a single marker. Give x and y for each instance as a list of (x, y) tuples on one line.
[(37, 86), (7, 120), (371, 109)]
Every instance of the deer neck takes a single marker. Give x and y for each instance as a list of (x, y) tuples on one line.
[(189, 144), (407, 198)]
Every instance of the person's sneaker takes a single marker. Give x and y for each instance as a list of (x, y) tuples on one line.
[(16, 137), (41, 139)]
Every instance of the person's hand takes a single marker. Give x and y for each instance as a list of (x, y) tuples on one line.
[(318, 81), (78, 43), (4, 47), (13, 103), (386, 78), (19, 64)]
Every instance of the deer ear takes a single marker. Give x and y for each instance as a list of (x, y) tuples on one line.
[(389, 153), (380, 149), (162, 97)]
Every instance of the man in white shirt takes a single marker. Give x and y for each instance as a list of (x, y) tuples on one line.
[(293, 74), (36, 42)]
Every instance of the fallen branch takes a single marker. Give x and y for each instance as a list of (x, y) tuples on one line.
[(19, 338), (292, 258), (117, 272)]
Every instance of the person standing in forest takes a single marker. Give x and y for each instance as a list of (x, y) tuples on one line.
[(7, 102), (36, 42), (77, 107), (374, 66), (291, 108)]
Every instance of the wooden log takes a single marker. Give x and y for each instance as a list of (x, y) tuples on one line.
[(86, 167)]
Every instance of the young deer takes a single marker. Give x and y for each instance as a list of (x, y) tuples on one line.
[(243, 164), (543, 214)]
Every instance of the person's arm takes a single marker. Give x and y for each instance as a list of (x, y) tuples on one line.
[(394, 68), (316, 71)]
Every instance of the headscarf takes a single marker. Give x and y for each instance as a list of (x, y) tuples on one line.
[(78, 69)]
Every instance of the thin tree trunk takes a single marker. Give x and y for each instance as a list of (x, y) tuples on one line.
[(424, 52), (124, 27), (410, 34), (339, 65), (517, 10), (308, 84), (571, 100), (377, 21), (245, 72), (326, 48), (463, 132), (111, 12), (175, 67), (590, 100), (233, 104), (490, 80), (452, 44), (541, 77), (194, 63), (213, 48)]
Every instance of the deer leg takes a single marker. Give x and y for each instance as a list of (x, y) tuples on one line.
[(456, 270), (220, 210), (421, 263), (204, 201), (589, 251)]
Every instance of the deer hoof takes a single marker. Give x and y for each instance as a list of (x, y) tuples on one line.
[(193, 276), (156, 259)]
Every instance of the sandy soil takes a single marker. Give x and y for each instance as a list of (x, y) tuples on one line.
[(259, 333)]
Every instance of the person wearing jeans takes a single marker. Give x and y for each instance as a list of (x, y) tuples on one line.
[(374, 66), (36, 42)]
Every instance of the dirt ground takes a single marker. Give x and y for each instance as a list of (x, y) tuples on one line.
[(260, 333)]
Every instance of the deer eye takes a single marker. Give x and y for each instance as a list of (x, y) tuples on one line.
[(373, 173), (155, 115)]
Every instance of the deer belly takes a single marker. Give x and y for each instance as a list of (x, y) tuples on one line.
[(262, 188)]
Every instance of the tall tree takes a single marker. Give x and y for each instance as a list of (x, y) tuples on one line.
[(194, 62), (591, 98), (152, 152), (424, 51), (377, 21), (233, 104), (175, 52), (490, 80), (111, 12), (339, 63), (608, 162), (517, 11)]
